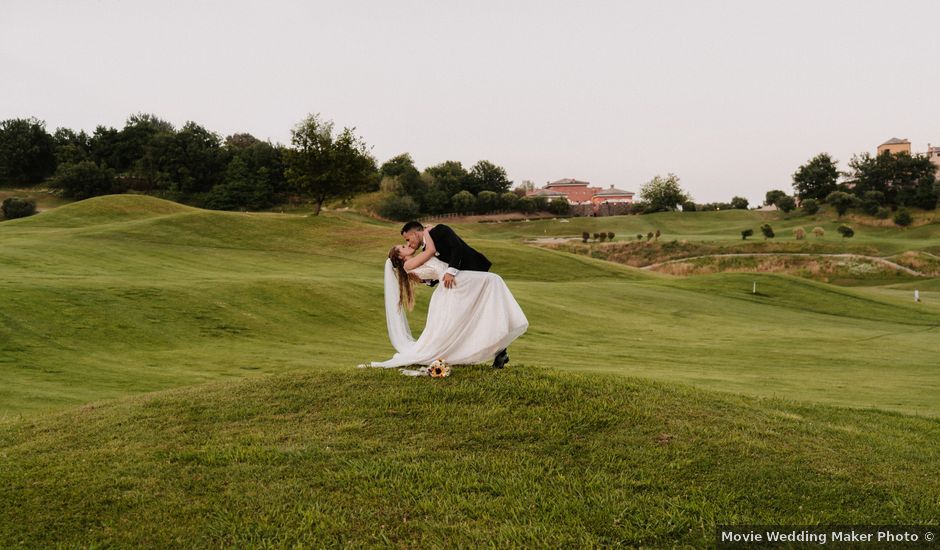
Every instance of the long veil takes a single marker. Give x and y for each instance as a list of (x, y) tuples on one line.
[(398, 330)]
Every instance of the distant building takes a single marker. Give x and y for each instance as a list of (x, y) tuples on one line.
[(613, 195), (895, 145), (933, 153), (584, 199)]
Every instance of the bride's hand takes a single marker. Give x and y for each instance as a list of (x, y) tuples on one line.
[(429, 242)]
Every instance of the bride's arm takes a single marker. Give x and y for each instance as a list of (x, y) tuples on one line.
[(419, 260)]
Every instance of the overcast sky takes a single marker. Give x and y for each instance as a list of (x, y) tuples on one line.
[(730, 95)]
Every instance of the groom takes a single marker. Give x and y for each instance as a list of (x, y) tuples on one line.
[(458, 256)]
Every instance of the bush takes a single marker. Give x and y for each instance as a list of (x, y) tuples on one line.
[(508, 201), (487, 201), (16, 207), (585, 236), (559, 206), (767, 231), (597, 236), (603, 236), (841, 201), (639, 236), (903, 218), (649, 236), (799, 233), (688, 206), (810, 206), (746, 233), (84, 180), (610, 235), (786, 204), (871, 201), (846, 231), (398, 207), (658, 234), (883, 213), (739, 203), (526, 205), (819, 232), (464, 202)]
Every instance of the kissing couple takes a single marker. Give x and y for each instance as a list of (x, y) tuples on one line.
[(472, 316)]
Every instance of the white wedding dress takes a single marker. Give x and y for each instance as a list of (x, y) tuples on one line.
[(467, 324)]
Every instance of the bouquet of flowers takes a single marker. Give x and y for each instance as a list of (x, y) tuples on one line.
[(439, 369)]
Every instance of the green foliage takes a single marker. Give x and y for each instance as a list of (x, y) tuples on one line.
[(841, 201), (602, 236), (903, 218), (610, 235), (810, 206), (649, 236), (486, 176), (846, 231), (688, 206), (786, 204), (526, 205), (773, 196), (883, 213), (585, 236), (746, 233), (871, 201), (17, 207), (904, 180), (464, 202), (739, 203), (449, 177), (27, 154), (799, 233), (487, 201), (817, 178), (398, 207), (243, 189), (639, 236), (767, 230), (559, 206), (663, 193), (84, 180), (819, 232), (322, 166), (508, 201)]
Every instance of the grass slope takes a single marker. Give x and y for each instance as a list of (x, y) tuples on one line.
[(523, 457), (127, 294)]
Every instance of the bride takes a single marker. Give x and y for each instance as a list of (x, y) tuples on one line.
[(468, 323)]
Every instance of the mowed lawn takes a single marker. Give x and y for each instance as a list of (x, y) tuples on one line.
[(126, 294)]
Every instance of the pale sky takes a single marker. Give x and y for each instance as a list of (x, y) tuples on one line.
[(730, 95)]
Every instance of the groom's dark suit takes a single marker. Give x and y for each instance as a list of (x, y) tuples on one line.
[(455, 253)]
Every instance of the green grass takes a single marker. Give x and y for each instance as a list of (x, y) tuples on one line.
[(525, 457)]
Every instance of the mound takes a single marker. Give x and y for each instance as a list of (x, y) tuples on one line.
[(102, 210), (522, 457)]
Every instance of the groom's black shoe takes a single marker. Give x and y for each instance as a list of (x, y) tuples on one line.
[(502, 358)]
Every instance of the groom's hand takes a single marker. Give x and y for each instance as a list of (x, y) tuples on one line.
[(449, 281)]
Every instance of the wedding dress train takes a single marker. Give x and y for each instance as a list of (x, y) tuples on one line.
[(469, 323)]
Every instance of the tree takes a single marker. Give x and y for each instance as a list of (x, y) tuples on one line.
[(810, 206), (526, 205), (817, 178), (508, 201), (243, 189), (799, 233), (585, 236), (17, 207), (649, 236), (487, 201), (746, 233), (71, 148), (189, 161), (846, 231), (871, 201), (486, 176), (767, 231), (903, 218), (663, 194), (325, 166), (841, 201), (658, 234), (402, 169), (739, 203), (449, 176), (904, 180), (603, 236), (398, 207), (27, 151), (688, 206), (85, 180), (464, 202), (772, 196), (786, 204), (610, 235), (559, 206)]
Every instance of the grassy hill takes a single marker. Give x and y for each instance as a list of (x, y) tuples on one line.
[(525, 457), (126, 294)]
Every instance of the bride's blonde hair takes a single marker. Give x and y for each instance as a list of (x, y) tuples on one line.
[(406, 281)]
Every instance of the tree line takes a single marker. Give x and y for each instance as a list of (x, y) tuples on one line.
[(194, 165)]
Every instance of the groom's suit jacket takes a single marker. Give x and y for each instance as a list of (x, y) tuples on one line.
[(456, 253)]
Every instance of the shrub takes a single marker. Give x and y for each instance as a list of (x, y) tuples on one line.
[(767, 231), (688, 206), (846, 231), (903, 218), (810, 206), (84, 180), (603, 236), (883, 213), (786, 204), (610, 235), (649, 236), (487, 201), (746, 233), (658, 234), (819, 232), (639, 236), (841, 201), (799, 233), (526, 205), (597, 235), (559, 206), (585, 236), (16, 207), (464, 202), (508, 201), (871, 201), (398, 207)]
